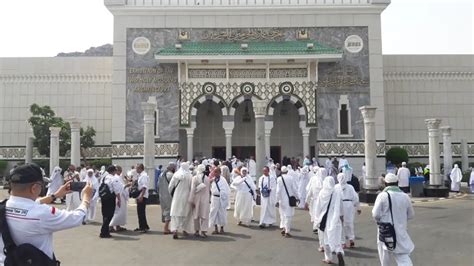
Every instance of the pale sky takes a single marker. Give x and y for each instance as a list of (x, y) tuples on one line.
[(44, 28)]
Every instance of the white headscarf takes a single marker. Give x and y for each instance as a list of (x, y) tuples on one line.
[(342, 179), (242, 171), (456, 174), (225, 172)]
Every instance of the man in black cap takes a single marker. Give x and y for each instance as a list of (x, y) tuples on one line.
[(28, 217)]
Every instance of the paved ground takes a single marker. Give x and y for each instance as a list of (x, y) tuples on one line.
[(443, 232)]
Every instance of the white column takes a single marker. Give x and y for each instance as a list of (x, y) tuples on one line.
[(228, 128), (75, 141), (368, 113), (447, 151), (149, 139), (190, 135), (29, 146), (268, 134), (464, 156), (306, 151), (259, 108), (433, 140), (54, 148)]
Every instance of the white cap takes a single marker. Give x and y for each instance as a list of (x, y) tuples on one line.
[(391, 178), (284, 169), (404, 163)]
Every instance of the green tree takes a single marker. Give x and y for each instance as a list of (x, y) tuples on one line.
[(43, 117), (397, 155), (87, 140)]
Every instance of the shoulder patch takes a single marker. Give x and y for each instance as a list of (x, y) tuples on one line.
[(53, 210)]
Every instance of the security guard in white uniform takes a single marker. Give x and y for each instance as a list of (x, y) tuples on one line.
[(30, 219)]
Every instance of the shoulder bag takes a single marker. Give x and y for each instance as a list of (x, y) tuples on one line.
[(292, 199), (387, 230), (322, 224)]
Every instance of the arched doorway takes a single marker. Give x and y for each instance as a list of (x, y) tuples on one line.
[(243, 135), (286, 131), (209, 133)]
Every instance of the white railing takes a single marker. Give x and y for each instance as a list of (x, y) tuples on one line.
[(246, 3)]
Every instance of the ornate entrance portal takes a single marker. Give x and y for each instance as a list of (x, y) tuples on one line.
[(253, 84)]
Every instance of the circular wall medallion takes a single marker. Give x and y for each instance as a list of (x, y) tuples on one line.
[(209, 88), (247, 88), (286, 88), (354, 44), (141, 45)]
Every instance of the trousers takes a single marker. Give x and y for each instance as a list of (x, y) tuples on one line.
[(386, 257), (108, 209), (141, 213)]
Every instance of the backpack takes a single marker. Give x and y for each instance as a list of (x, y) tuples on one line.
[(134, 192), (104, 191), (24, 254)]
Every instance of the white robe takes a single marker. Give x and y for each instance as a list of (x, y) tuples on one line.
[(314, 187), (302, 184), (56, 181), (403, 177), (333, 231), (252, 165), (402, 210), (120, 213), (267, 204), (282, 197), (92, 207), (244, 201), (181, 215), (218, 213), (456, 177), (350, 203)]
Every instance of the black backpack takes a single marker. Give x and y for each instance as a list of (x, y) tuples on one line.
[(134, 192), (24, 254), (104, 191)]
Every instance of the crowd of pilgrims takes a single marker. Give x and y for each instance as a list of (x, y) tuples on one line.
[(195, 196)]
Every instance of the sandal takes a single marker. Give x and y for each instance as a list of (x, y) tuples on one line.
[(166, 232), (203, 234), (328, 262), (215, 232)]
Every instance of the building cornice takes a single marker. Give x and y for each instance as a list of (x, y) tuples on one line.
[(53, 78), (391, 76)]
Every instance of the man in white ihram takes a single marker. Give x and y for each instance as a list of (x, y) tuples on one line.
[(404, 178), (456, 177), (28, 217), (286, 187), (402, 211)]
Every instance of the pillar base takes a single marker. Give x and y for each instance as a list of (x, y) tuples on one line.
[(153, 198), (436, 191), (368, 196)]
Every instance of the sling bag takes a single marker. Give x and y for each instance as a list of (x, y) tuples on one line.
[(387, 230), (104, 191), (322, 224), (292, 199), (250, 190), (174, 189)]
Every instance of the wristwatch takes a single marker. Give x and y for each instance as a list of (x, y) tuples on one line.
[(53, 197)]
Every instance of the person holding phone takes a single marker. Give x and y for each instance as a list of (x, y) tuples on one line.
[(36, 221)]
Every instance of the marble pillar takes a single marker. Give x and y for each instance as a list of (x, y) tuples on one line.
[(228, 128), (447, 151), (29, 150), (433, 142), (316, 144), (368, 113), (259, 108), (149, 140), (75, 141), (268, 134), (54, 147), (464, 156), (190, 135), (306, 151)]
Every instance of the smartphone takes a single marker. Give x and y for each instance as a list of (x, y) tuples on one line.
[(77, 186)]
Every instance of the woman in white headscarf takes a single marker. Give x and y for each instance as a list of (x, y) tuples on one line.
[(179, 188), (199, 199), (314, 187), (350, 203), (302, 184), (55, 180), (90, 177), (456, 177), (244, 199), (225, 173), (329, 212)]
